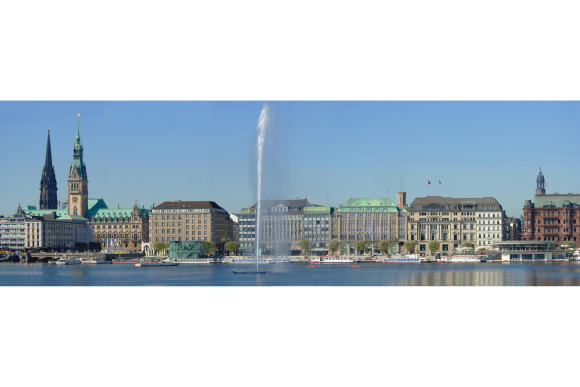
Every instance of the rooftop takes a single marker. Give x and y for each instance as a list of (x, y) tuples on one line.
[(178, 204), (454, 204)]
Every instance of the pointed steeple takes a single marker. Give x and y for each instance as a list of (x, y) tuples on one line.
[(48, 157), (48, 188), (540, 183)]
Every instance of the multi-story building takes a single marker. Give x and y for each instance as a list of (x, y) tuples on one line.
[(491, 223), (191, 221), (551, 217), (370, 220), (33, 232), (280, 230), (317, 228), (513, 229), (121, 229), (454, 221), (13, 232)]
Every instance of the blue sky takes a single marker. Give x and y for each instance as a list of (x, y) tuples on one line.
[(151, 152)]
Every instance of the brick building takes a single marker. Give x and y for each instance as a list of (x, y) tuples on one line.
[(551, 217)]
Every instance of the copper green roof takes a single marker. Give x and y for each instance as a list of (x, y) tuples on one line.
[(36, 212), (541, 201), (317, 209), (117, 213), (72, 217), (97, 208), (248, 211), (368, 205)]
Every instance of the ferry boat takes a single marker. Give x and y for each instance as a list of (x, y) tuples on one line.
[(156, 263), (194, 260), (413, 258), (68, 261), (462, 255), (332, 260), (94, 261)]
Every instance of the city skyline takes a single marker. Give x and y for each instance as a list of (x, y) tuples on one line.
[(160, 151)]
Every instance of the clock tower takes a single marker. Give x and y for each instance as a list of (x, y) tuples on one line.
[(78, 185)]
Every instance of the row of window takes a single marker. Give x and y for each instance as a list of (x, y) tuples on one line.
[(178, 239)]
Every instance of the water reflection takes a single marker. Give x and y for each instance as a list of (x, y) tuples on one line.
[(291, 274)]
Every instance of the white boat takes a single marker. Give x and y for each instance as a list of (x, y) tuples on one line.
[(94, 261), (412, 258), (462, 255), (332, 260), (156, 263), (68, 261), (194, 260)]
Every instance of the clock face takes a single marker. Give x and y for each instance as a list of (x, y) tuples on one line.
[(75, 199)]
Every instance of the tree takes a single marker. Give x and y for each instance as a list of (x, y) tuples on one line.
[(569, 245), (333, 246), (468, 244), (360, 246), (433, 246), (95, 246), (160, 246), (81, 246), (232, 247), (410, 246), (304, 246), (209, 247), (385, 246)]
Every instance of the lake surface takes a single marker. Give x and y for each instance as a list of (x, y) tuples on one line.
[(296, 274)]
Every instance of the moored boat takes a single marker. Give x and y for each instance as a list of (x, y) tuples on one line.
[(463, 255), (156, 263), (68, 261), (194, 260), (94, 261), (412, 258), (332, 260)]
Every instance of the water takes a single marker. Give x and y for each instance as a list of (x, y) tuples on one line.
[(295, 274)]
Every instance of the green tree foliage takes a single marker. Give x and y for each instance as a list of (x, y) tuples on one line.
[(410, 246), (160, 246), (333, 246), (569, 245), (304, 246), (232, 247), (360, 246), (385, 246), (468, 244), (209, 247), (433, 246)]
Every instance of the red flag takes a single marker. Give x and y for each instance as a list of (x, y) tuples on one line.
[(428, 181)]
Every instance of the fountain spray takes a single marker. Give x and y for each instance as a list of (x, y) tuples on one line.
[(263, 123)]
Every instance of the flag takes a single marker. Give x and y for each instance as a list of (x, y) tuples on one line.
[(428, 181), (439, 181)]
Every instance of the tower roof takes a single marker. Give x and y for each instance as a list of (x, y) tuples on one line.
[(48, 188), (78, 163), (48, 155)]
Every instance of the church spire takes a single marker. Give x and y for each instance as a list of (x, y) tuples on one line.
[(48, 188), (540, 183)]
